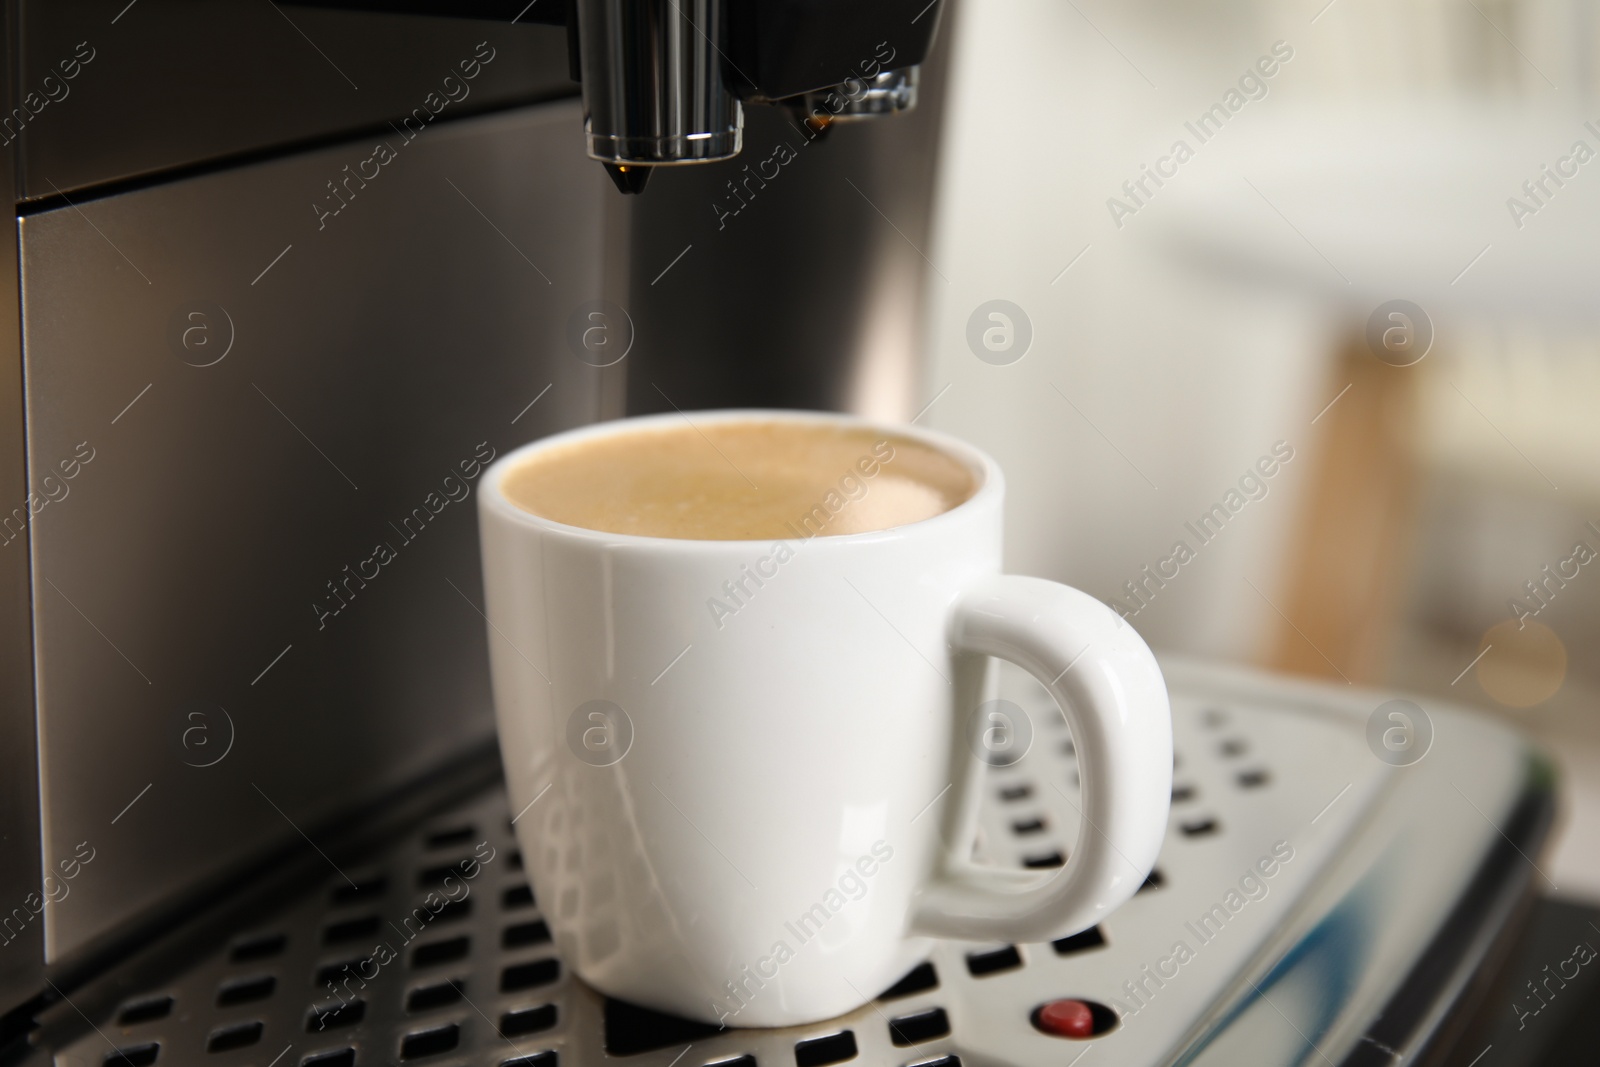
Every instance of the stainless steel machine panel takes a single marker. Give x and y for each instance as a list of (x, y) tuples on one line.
[(255, 426), (803, 288)]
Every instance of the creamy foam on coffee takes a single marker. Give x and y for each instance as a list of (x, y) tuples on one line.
[(740, 481)]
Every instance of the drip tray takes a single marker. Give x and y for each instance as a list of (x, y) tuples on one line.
[(1313, 902)]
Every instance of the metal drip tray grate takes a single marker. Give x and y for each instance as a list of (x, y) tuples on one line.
[(436, 953)]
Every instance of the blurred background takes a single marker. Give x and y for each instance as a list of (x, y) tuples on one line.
[(1178, 338)]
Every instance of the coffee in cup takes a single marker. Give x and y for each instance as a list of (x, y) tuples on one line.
[(740, 481)]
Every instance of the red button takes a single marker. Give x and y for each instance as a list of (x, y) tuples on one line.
[(1067, 1018)]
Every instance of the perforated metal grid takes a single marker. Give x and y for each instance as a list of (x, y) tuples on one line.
[(474, 979), (470, 957)]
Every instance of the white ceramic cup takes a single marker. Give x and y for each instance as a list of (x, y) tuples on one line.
[(759, 814)]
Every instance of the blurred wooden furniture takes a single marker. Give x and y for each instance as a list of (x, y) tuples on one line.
[(1345, 583)]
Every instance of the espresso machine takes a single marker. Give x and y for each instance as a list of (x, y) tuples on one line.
[(286, 277)]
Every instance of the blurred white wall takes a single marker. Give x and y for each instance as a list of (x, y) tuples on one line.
[(1180, 381)]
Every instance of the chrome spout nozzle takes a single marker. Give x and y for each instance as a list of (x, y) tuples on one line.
[(664, 81), (888, 93), (653, 86)]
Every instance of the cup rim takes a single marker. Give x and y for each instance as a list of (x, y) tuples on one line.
[(986, 472)]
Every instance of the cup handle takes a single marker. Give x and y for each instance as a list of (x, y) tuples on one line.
[(1107, 683)]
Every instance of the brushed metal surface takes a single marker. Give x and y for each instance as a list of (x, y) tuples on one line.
[(174, 83), (23, 952), (195, 704), (803, 270)]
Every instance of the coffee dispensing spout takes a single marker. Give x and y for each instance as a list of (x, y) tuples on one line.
[(654, 92), (665, 82)]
